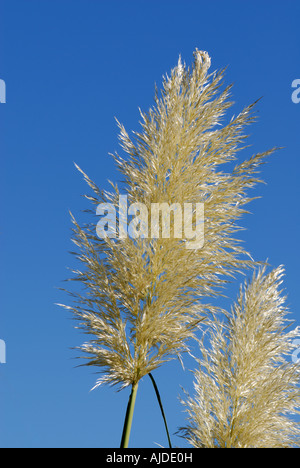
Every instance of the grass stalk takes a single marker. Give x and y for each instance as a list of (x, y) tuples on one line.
[(129, 416), (161, 407)]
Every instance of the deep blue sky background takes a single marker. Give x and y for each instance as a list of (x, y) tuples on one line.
[(70, 66)]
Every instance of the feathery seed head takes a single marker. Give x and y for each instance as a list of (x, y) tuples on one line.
[(247, 385), (143, 298)]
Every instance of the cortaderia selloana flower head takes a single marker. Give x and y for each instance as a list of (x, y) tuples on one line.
[(143, 298), (247, 380)]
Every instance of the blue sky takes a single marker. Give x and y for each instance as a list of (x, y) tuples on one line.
[(70, 67)]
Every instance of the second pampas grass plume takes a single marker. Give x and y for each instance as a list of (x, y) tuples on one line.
[(247, 382)]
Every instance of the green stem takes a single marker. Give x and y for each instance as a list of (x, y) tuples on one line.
[(161, 407), (129, 416)]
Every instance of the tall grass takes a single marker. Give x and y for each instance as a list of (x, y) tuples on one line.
[(142, 298)]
